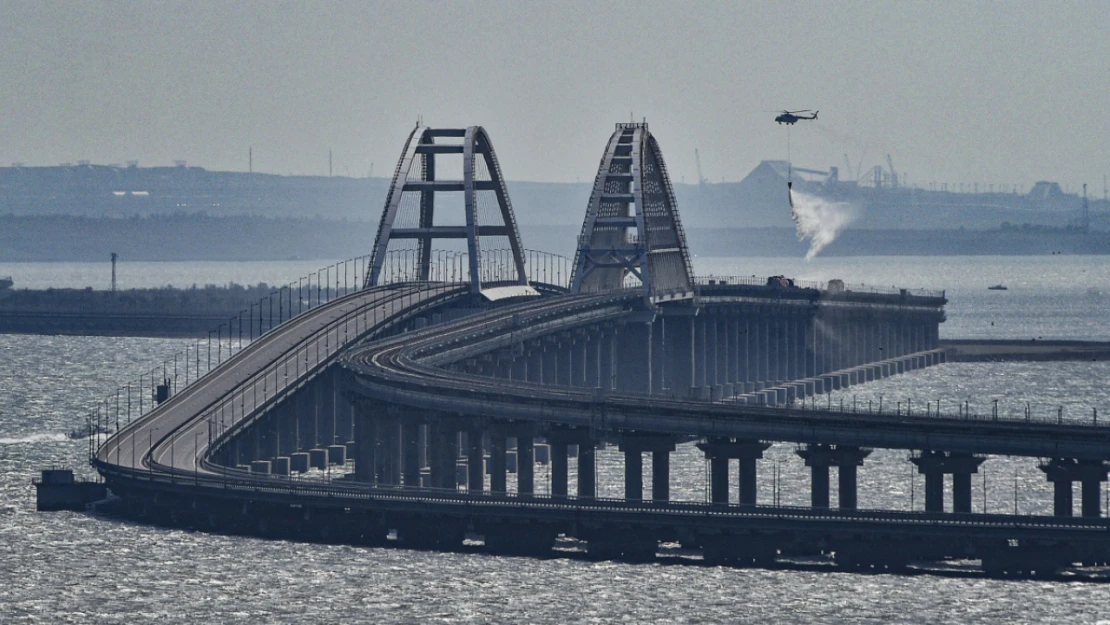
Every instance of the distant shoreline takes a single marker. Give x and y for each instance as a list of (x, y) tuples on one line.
[(199, 237)]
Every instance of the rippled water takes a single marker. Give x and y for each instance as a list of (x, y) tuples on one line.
[(68, 567)]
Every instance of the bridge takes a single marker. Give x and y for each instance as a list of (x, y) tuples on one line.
[(391, 403)]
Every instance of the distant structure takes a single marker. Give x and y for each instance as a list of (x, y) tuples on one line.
[(114, 257)]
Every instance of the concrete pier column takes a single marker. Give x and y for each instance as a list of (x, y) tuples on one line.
[(326, 409), (389, 452), (934, 491), (366, 444), (634, 445), (847, 480), (634, 358), (712, 349), (535, 363), (658, 363), (442, 454), (550, 362), (934, 465), (607, 359), (1063, 472), (497, 447), (660, 475), (564, 365), (558, 468), (699, 377), (518, 369), (475, 462), (718, 480), (1091, 503), (592, 364), (678, 341), (747, 481), (410, 453), (961, 492), (819, 485), (633, 475), (763, 350), (747, 452), (1062, 504), (525, 466), (847, 459), (577, 347), (587, 471)]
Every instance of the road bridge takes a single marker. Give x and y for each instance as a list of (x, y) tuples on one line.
[(402, 407)]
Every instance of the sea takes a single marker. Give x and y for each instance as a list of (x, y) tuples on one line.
[(66, 567)]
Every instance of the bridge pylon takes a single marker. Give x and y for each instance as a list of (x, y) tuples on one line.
[(632, 231), (409, 221)]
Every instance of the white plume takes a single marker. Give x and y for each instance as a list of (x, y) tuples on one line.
[(818, 220)]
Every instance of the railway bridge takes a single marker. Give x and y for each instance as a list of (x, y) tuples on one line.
[(396, 405)]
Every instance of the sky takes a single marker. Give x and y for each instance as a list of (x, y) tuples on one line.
[(988, 93)]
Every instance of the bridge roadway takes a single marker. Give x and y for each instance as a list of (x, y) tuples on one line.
[(176, 436), (161, 458), (410, 371)]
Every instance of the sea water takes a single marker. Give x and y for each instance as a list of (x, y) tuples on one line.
[(68, 567)]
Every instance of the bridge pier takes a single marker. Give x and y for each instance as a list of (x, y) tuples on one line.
[(475, 462), (634, 353), (442, 453), (820, 457), (678, 353), (634, 445), (410, 453), (719, 451), (1063, 472), (934, 465)]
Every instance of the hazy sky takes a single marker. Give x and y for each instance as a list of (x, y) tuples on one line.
[(958, 91)]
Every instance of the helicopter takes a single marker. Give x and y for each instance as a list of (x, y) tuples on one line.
[(791, 117)]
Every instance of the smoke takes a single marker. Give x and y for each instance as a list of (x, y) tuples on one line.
[(818, 220)]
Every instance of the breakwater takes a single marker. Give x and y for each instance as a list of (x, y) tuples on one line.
[(164, 312)]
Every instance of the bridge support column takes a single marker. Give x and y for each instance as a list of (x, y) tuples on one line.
[(712, 351), (592, 365), (388, 456), (634, 349), (475, 462), (410, 453), (587, 471), (1062, 472), (550, 363), (534, 361), (847, 460), (934, 465), (442, 453), (660, 475), (678, 346), (718, 480), (559, 468), (747, 452), (658, 365), (577, 347), (525, 465), (497, 445), (366, 443), (633, 475), (634, 445), (607, 359)]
